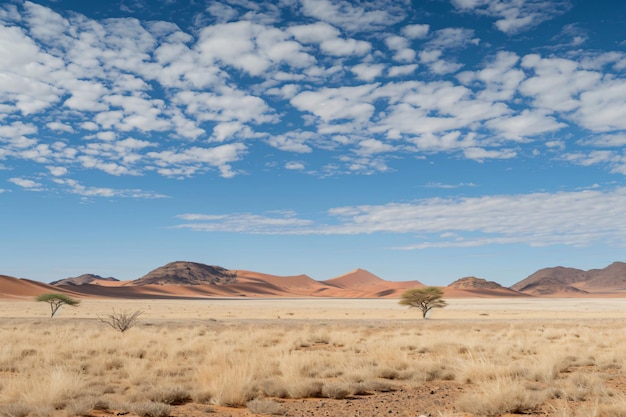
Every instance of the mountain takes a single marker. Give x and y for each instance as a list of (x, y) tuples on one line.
[(85, 279), (612, 278), (571, 281), (187, 273), (473, 283), (478, 287), (193, 280)]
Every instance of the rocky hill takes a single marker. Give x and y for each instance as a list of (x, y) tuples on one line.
[(83, 280), (187, 273), (474, 283), (570, 281)]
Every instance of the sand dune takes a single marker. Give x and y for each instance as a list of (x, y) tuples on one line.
[(18, 288)]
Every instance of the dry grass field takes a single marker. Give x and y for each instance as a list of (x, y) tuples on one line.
[(556, 357)]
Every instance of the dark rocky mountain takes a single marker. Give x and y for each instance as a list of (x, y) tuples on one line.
[(561, 280), (612, 278), (187, 273), (84, 279)]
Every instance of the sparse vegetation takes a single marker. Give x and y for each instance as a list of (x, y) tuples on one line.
[(123, 320), (482, 367), (56, 301), (424, 299)]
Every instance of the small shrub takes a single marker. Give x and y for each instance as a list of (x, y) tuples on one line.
[(170, 395), (336, 391), (306, 388), (152, 409), (122, 321), (15, 410), (501, 396)]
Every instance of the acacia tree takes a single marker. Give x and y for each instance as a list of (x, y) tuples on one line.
[(424, 299), (56, 301)]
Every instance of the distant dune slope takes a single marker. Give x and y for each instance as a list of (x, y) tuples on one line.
[(17, 288)]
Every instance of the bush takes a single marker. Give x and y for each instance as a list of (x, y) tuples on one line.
[(122, 321)]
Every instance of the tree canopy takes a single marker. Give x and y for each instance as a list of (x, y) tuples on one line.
[(56, 301), (424, 299)]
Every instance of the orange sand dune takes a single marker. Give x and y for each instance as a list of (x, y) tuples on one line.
[(450, 292), (296, 284), (360, 279), (17, 288)]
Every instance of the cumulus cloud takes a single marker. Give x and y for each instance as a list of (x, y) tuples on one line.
[(295, 166), (353, 17), (27, 184), (513, 16), (355, 84), (416, 31)]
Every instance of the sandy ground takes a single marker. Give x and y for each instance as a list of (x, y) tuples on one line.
[(329, 309)]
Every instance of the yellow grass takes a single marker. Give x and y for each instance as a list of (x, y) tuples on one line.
[(237, 352)]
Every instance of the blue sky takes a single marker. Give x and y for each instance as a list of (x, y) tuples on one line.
[(425, 140)]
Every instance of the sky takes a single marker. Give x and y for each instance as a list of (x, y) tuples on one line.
[(419, 140)]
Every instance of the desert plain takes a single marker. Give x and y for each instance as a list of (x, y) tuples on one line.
[(315, 357)]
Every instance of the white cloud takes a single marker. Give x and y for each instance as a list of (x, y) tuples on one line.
[(452, 38), (75, 187), (352, 17), (525, 124), (27, 184), (557, 83), (603, 108), (401, 70), (457, 222), (60, 127), (345, 47), (337, 103), (609, 140), (130, 97), (268, 223), (293, 141), (416, 31), (368, 72), (57, 171), (189, 161), (480, 154), (374, 146), (250, 47), (295, 166), (314, 33), (500, 77), (514, 16)]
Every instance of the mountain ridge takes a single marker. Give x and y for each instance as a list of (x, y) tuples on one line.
[(185, 279)]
